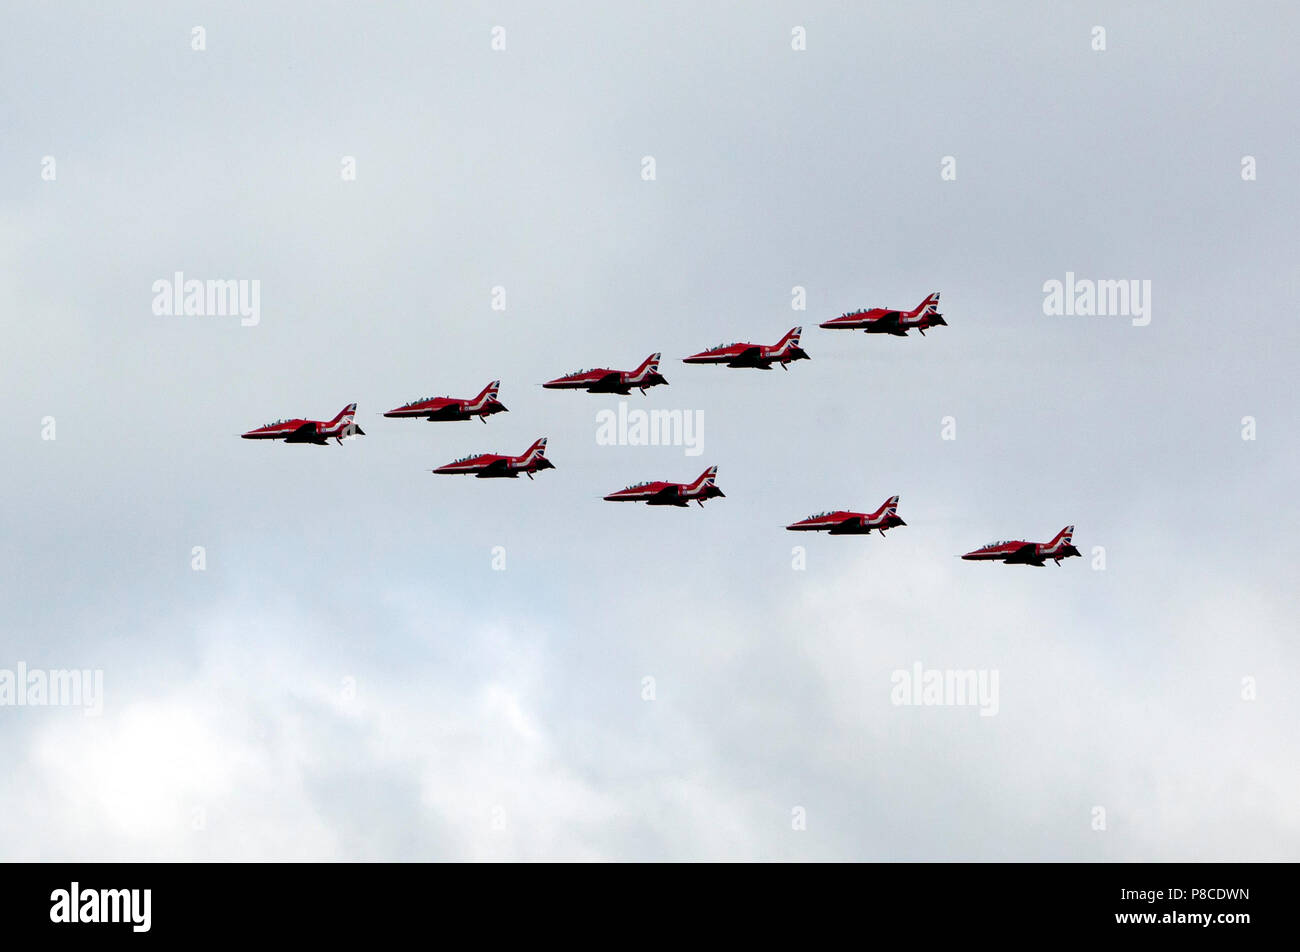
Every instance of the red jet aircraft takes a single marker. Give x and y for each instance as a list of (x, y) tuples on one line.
[(1017, 552), (450, 408), (309, 431), (500, 466), (841, 522), (880, 320), (659, 493), (761, 356), (602, 380)]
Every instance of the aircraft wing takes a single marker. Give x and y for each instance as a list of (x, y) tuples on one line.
[(1026, 553), (498, 467), (750, 355), (444, 412), (304, 434), (666, 495), (611, 379)]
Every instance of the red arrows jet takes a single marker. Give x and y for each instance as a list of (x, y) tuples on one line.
[(761, 356), (1017, 552), (450, 408), (309, 431), (602, 380), (500, 466), (840, 522), (879, 320), (671, 494)]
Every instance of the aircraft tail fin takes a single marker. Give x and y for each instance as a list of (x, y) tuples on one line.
[(890, 506), (537, 449), (791, 338), (706, 478), (929, 306), (345, 416), (1063, 538), (486, 395), (649, 366)]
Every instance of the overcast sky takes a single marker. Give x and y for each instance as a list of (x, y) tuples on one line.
[(351, 678)]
